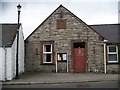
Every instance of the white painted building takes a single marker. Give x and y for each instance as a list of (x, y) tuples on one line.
[(8, 49)]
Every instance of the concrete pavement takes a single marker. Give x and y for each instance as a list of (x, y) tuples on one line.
[(46, 78)]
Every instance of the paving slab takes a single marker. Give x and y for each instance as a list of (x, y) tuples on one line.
[(42, 78)]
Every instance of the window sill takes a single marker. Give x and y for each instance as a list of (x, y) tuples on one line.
[(62, 61), (47, 64), (113, 63)]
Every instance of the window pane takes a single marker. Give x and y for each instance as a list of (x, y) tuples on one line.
[(47, 57), (112, 57), (112, 48), (47, 48)]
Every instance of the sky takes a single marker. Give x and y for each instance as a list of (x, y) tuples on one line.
[(34, 12)]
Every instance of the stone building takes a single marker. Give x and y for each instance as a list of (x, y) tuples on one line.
[(64, 43), (111, 33)]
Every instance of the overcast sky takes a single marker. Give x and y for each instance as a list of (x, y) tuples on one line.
[(34, 12)]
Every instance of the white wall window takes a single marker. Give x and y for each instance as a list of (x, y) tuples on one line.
[(47, 53), (112, 54)]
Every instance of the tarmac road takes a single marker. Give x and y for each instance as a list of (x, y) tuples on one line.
[(100, 84)]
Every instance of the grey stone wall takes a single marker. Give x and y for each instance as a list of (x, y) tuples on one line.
[(75, 30), (112, 68)]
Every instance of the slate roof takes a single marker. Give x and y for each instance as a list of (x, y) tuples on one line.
[(8, 32), (111, 32)]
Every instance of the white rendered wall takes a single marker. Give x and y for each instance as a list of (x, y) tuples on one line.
[(20, 54), (2, 68), (21, 51), (9, 64), (14, 47), (5, 68), (8, 70)]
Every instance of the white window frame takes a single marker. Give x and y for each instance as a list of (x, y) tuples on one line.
[(47, 53), (116, 53)]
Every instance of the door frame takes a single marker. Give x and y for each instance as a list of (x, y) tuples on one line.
[(72, 53)]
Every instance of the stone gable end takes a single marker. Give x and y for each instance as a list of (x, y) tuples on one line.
[(63, 27)]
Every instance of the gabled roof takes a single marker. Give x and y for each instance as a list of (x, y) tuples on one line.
[(61, 6), (8, 34), (111, 32)]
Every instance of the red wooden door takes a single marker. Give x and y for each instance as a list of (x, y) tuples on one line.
[(79, 60)]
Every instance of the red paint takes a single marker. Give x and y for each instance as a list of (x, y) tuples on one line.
[(79, 60)]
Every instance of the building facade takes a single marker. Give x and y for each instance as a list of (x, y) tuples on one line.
[(8, 49), (64, 43), (111, 32)]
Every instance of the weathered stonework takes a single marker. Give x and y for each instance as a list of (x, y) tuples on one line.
[(75, 30), (112, 68)]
